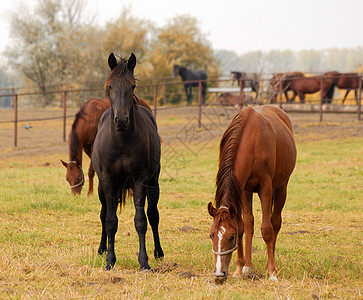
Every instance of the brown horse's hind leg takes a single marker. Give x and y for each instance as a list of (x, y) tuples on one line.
[(248, 222), (91, 175), (278, 205), (267, 231)]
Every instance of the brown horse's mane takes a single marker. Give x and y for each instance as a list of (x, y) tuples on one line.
[(228, 188), (74, 145)]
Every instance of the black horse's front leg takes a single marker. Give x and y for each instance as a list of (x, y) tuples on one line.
[(111, 229), (141, 224), (188, 92)]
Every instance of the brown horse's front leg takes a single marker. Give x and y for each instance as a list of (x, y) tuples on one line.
[(248, 221), (240, 257), (91, 175)]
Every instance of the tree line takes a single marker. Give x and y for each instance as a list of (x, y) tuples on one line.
[(307, 61)]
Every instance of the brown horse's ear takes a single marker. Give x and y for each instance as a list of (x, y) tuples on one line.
[(211, 210), (232, 210), (112, 61), (131, 63), (64, 163)]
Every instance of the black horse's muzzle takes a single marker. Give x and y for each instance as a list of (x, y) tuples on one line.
[(122, 124)]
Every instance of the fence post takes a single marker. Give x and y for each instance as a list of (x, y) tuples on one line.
[(64, 96), (199, 104), (321, 99), (240, 97), (15, 105), (164, 101), (155, 99), (359, 97)]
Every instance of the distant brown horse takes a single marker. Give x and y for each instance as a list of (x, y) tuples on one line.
[(346, 81), (285, 84), (308, 85), (257, 155), (81, 137)]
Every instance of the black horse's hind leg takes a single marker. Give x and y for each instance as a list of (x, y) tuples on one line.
[(153, 214), (141, 223), (103, 243)]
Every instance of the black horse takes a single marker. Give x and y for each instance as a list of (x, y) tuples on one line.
[(249, 80), (191, 79), (126, 155)]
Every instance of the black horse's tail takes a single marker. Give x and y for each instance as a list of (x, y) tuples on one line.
[(125, 193)]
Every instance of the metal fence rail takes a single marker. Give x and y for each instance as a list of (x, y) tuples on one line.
[(160, 93)]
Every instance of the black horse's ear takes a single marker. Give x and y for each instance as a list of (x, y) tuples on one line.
[(211, 210), (131, 63), (112, 61)]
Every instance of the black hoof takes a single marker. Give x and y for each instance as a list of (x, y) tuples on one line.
[(145, 268), (159, 254), (102, 250)]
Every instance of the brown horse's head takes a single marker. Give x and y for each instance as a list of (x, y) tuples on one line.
[(74, 176), (224, 235)]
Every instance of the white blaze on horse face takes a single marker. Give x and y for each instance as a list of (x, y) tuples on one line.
[(221, 232)]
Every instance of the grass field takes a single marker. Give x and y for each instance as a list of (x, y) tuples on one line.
[(49, 239)]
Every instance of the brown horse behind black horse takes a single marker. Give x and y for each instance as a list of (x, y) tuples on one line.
[(345, 81), (81, 137)]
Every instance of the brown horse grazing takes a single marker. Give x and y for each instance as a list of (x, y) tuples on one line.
[(345, 81), (82, 136), (257, 155), (310, 85), (285, 80)]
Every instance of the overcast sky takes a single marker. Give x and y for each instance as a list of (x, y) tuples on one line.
[(243, 25)]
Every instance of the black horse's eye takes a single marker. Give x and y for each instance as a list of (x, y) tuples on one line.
[(210, 236), (231, 238), (109, 87)]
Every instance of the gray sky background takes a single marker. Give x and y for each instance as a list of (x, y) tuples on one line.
[(241, 25)]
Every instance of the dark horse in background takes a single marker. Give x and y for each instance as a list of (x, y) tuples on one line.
[(187, 77), (257, 155), (249, 80), (345, 81), (81, 137), (126, 155)]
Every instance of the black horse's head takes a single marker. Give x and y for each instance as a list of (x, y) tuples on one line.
[(119, 88), (176, 70)]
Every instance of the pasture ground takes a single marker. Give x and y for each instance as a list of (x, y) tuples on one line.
[(49, 239)]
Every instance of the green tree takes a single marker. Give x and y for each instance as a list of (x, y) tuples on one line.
[(181, 42), (49, 44)]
